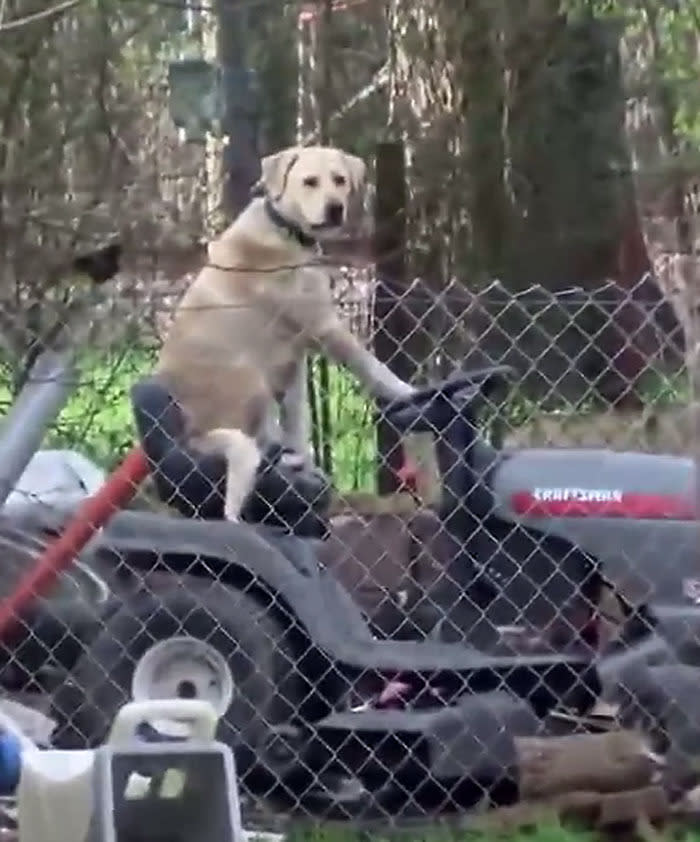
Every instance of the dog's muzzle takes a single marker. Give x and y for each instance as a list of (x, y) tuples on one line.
[(335, 214)]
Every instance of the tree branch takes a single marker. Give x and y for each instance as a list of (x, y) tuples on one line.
[(378, 81), (58, 9)]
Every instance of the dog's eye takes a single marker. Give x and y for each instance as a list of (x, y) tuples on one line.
[(310, 181), (339, 180)]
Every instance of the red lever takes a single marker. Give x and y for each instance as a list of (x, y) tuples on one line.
[(119, 488)]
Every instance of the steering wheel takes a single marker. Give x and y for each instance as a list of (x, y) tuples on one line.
[(431, 407)]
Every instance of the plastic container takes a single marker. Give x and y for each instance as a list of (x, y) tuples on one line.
[(56, 792)]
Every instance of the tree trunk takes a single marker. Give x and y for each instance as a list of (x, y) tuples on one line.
[(481, 79), (241, 165), (577, 224), (323, 99)]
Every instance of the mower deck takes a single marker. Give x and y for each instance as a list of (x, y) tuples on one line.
[(334, 624)]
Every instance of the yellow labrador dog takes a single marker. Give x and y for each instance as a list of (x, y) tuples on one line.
[(237, 346)]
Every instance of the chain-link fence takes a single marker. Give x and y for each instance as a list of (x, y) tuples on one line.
[(479, 592)]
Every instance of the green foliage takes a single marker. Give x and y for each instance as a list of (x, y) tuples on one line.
[(97, 420), (669, 64), (353, 441)]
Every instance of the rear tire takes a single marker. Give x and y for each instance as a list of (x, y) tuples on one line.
[(267, 688)]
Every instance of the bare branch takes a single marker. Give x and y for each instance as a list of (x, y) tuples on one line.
[(378, 81), (58, 9)]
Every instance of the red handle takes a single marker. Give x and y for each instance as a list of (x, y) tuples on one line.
[(119, 488)]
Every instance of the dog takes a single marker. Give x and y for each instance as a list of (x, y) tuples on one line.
[(239, 340)]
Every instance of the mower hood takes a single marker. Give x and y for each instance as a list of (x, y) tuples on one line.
[(635, 512)]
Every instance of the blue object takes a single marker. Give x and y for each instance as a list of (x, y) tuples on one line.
[(11, 756), (10, 763)]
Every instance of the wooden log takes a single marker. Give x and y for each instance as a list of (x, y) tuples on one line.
[(650, 804), (596, 809), (609, 762)]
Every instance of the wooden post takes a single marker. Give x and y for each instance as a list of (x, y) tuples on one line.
[(392, 318)]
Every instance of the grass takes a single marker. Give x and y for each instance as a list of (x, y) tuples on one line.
[(553, 831), (97, 419), (546, 832)]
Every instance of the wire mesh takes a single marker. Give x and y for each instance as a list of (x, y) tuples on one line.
[(516, 619)]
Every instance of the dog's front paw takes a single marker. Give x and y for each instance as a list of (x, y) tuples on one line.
[(231, 515), (293, 459), (402, 392)]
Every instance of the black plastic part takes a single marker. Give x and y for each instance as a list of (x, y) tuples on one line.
[(333, 624), (472, 739), (504, 573), (661, 701), (194, 483), (294, 499), (615, 665), (679, 625), (431, 407), (191, 482), (476, 739)]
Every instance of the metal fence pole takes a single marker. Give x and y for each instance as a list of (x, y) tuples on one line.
[(50, 384)]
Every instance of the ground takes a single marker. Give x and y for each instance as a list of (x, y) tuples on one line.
[(553, 832)]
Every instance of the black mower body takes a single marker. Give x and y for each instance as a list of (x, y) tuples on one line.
[(496, 698), (283, 569), (414, 754)]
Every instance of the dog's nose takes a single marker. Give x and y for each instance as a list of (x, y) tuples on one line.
[(334, 213)]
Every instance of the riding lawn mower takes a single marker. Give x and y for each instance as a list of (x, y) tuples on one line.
[(309, 693)]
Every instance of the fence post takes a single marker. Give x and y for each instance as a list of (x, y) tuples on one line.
[(392, 318)]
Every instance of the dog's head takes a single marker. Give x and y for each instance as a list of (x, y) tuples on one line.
[(311, 186)]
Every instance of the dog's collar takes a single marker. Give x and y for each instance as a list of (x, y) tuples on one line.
[(305, 240)]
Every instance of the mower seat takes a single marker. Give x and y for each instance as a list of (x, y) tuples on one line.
[(191, 482), (291, 498)]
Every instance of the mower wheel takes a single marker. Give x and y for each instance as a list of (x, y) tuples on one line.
[(195, 638)]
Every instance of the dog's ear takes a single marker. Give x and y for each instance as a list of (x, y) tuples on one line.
[(275, 171), (357, 170)]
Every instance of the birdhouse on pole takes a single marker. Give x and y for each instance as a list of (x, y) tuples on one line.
[(196, 97)]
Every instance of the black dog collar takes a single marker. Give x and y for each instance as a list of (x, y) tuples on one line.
[(281, 221)]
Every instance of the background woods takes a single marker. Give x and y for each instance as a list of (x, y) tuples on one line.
[(534, 192)]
